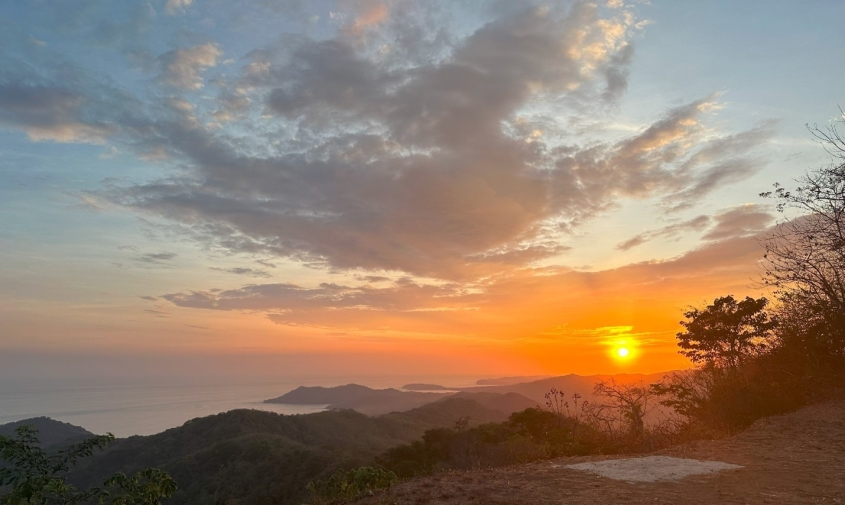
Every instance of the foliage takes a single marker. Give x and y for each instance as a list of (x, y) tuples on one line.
[(569, 426), (736, 384), (146, 487), (36, 477), (344, 485), (808, 336), (622, 414), (727, 332), (263, 458), (806, 255), (688, 393), (755, 364), (740, 378)]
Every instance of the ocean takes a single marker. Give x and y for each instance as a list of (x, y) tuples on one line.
[(128, 409)]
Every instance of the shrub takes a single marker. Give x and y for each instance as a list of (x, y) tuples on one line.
[(346, 485), (34, 477)]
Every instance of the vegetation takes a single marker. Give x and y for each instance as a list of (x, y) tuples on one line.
[(256, 457), (34, 477), (351, 484), (568, 426), (753, 358), (726, 333), (805, 256), (757, 361)]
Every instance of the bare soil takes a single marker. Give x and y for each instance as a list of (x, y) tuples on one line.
[(793, 458)]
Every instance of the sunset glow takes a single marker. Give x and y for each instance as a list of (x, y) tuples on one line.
[(383, 187)]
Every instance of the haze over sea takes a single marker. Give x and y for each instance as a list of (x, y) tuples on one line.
[(132, 407)]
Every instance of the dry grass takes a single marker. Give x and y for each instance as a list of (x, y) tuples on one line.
[(793, 458)]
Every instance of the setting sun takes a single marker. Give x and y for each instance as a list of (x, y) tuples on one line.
[(622, 352)]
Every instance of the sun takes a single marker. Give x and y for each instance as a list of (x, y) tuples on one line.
[(623, 352)]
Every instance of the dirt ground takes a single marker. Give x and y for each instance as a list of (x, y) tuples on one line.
[(794, 458)]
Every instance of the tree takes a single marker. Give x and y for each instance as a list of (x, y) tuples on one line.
[(809, 335), (39, 478), (726, 332), (805, 255), (625, 408)]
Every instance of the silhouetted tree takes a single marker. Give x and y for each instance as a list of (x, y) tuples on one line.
[(726, 332), (624, 407), (805, 255)]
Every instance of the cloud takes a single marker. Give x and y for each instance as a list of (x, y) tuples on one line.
[(176, 6), (541, 304), (275, 297), (443, 163), (418, 169), (727, 160), (51, 99), (369, 13), (49, 113), (37, 42), (156, 258), (673, 230), (372, 278), (249, 272), (182, 68), (743, 220)]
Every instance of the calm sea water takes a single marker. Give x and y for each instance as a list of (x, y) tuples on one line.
[(145, 409)]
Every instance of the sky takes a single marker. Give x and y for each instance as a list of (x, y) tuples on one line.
[(346, 188)]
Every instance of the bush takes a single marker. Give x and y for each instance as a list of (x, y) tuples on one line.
[(34, 477), (347, 485)]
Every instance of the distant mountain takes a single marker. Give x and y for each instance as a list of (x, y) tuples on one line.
[(51, 433), (359, 398), (249, 456), (382, 401), (569, 384), (507, 381), (318, 395), (502, 402), (425, 387)]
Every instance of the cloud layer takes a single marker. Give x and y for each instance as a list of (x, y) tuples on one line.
[(444, 163), (523, 305)]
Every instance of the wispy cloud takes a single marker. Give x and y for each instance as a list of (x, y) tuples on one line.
[(526, 304), (156, 258), (740, 221), (248, 272), (176, 6), (669, 231)]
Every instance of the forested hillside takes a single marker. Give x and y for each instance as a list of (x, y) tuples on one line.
[(262, 457), (51, 433)]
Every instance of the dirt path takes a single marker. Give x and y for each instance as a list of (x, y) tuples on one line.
[(794, 458)]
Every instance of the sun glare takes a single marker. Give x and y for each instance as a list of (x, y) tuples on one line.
[(623, 352)]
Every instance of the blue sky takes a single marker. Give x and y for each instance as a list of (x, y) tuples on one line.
[(283, 177)]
